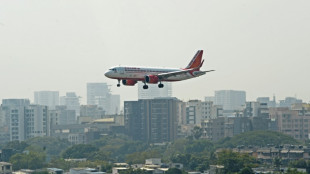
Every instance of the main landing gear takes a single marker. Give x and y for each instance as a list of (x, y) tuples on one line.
[(145, 86), (119, 83), (160, 85)]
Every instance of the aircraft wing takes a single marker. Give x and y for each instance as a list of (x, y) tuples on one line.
[(164, 76)]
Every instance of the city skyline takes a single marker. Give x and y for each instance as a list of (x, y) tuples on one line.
[(256, 46)]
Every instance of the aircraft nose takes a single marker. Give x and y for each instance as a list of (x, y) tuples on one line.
[(107, 74)]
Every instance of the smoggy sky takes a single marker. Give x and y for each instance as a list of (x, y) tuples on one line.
[(260, 46)]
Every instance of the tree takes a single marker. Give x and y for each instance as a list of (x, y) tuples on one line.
[(246, 170), (233, 161), (197, 132), (79, 151), (33, 160), (16, 146), (174, 171)]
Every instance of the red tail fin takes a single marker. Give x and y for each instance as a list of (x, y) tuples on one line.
[(196, 61)]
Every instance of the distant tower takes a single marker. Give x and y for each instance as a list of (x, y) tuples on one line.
[(47, 98), (154, 91), (72, 101), (230, 99)]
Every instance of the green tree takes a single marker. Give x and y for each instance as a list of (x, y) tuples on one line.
[(246, 170), (16, 146), (33, 160), (293, 171), (80, 151), (197, 132), (174, 171), (233, 161)]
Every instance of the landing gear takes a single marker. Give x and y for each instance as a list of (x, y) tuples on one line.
[(119, 83), (145, 87), (160, 85)]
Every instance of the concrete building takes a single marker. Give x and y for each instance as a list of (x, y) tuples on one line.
[(62, 116), (36, 121), (92, 111), (6, 168), (115, 104), (196, 111), (295, 123), (24, 120), (72, 102), (288, 101), (154, 92), (256, 109), (154, 120), (100, 94), (270, 103), (230, 99), (47, 98)]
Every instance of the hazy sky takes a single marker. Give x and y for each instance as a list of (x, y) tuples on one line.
[(260, 46)]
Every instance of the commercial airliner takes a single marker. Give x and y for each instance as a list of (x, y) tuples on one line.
[(130, 75)]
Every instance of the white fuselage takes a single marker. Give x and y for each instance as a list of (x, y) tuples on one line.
[(139, 73)]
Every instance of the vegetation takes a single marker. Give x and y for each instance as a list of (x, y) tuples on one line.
[(257, 138), (194, 153)]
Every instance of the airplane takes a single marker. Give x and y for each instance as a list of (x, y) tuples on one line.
[(130, 75)]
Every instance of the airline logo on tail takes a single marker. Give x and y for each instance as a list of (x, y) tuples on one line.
[(196, 61)]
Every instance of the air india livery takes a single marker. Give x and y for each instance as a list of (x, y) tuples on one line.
[(130, 75)]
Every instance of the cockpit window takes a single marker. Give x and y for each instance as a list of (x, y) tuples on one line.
[(113, 69)]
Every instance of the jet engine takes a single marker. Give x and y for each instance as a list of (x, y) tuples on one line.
[(129, 82), (151, 79)]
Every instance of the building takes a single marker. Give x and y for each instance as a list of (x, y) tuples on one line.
[(47, 98), (12, 111), (230, 99), (153, 120), (93, 111), (295, 123), (270, 104), (115, 104), (154, 92), (256, 109), (62, 116), (24, 120), (197, 110), (288, 101), (71, 101), (6, 168), (36, 121), (100, 94)]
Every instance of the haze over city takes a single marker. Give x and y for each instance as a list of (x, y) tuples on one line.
[(257, 46)]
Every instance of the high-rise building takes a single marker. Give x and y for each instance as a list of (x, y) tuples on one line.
[(230, 99), (115, 105), (71, 101), (288, 101), (197, 110), (24, 120), (209, 99), (36, 121), (13, 116), (154, 92), (267, 101), (153, 120), (97, 92), (62, 116), (47, 98)]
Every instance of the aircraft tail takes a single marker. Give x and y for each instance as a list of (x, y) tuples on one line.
[(196, 61)]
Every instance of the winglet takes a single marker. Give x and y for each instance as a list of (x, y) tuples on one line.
[(196, 61)]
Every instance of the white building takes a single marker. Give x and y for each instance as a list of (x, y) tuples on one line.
[(230, 99), (24, 121), (71, 101), (153, 91), (197, 110), (47, 98)]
